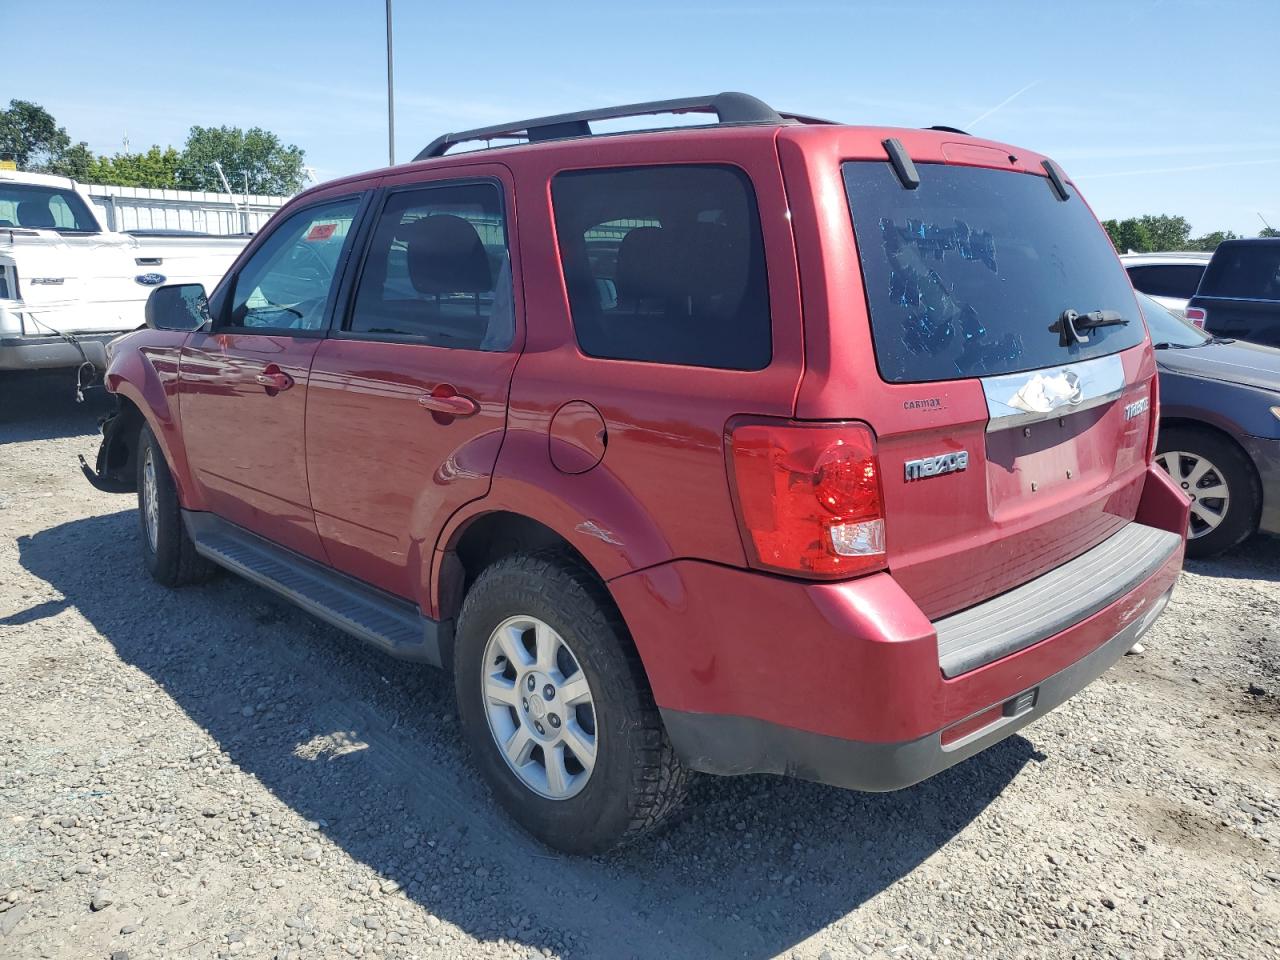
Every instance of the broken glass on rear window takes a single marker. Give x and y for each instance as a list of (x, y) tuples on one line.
[(966, 273)]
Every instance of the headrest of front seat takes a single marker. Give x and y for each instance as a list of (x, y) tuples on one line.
[(36, 214)]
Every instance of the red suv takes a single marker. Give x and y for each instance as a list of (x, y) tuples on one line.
[(769, 445)]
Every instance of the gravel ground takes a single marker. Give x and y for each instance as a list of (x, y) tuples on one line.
[(210, 773)]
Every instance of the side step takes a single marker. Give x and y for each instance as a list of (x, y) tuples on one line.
[(394, 626)]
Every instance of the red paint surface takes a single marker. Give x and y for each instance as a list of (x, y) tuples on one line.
[(857, 660), (346, 466)]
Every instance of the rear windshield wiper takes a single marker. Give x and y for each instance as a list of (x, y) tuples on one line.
[(1070, 324)]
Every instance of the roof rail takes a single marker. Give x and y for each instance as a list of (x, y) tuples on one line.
[(945, 129), (728, 108)]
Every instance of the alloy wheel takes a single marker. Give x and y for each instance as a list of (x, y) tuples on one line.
[(150, 500), (540, 707), (1204, 483)]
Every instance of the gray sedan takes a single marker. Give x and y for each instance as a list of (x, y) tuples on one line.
[(1219, 429)]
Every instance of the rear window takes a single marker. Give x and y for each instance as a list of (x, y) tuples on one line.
[(1244, 270), (665, 264), (1167, 280), (966, 273)]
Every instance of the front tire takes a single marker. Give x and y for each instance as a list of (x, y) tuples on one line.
[(556, 708), (1216, 474), (167, 550)]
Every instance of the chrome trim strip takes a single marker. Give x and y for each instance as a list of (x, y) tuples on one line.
[(1097, 381), (1206, 296)]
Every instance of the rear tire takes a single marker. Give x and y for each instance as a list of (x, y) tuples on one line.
[(543, 664), (1201, 461), (167, 550)]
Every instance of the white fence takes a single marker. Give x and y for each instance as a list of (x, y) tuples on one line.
[(142, 208)]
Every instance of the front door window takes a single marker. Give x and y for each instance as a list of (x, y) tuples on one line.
[(287, 282)]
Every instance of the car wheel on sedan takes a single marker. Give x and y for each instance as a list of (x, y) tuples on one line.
[(1226, 496), (167, 550), (556, 708)]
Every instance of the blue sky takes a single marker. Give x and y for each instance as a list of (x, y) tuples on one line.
[(1153, 106)]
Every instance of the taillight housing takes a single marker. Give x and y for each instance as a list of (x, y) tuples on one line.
[(1197, 316), (808, 496)]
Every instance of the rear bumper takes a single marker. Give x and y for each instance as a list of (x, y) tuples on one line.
[(843, 683), (43, 353), (735, 745), (1266, 457)]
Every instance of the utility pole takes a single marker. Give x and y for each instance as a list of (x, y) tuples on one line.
[(391, 101), (244, 217)]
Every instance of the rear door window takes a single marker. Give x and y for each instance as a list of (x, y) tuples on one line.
[(1167, 280), (966, 273), (1246, 271), (665, 264), (437, 270)]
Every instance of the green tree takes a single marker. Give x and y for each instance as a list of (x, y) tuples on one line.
[(1269, 232), (157, 168), (1210, 241), (1166, 232), (1129, 235), (29, 132), (76, 162), (272, 167)]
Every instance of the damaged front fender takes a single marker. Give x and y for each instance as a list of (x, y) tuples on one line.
[(116, 468)]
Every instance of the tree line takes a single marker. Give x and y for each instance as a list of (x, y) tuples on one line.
[(1151, 233), (31, 137)]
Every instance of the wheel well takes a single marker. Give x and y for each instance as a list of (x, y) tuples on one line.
[(483, 542), (1183, 423), (120, 449)]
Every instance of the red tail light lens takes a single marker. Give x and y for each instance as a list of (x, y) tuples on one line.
[(1197, 316), (808, 497)]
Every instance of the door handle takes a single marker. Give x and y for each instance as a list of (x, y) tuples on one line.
[(445, 401), (274, 379)]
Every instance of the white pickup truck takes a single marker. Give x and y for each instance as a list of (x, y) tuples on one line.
[(68, 285)]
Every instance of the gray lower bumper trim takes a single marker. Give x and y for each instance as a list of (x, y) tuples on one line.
[(729, 745), (1049, 604)]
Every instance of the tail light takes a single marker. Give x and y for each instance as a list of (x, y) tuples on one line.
[(808, 497), (1197, 316)]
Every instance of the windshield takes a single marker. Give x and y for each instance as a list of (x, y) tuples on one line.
[(966, 273), (1168, 329), (44, 208)]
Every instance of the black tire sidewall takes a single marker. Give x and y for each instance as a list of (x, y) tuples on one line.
[(600, 815), (1246, 496), (163, 562)]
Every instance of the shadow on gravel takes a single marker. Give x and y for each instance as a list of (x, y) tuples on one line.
[(1258, 558), (42, 406), (369, 749)]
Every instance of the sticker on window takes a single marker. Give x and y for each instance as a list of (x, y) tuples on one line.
[(322, 231)]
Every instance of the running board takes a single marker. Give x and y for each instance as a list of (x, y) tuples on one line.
[(394, 626)]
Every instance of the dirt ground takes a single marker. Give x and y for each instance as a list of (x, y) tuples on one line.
[(209, 772)]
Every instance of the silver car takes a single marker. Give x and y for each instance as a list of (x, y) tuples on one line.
[(1168, 278)]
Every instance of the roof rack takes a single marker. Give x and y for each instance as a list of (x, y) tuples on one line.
[(729, 108)]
